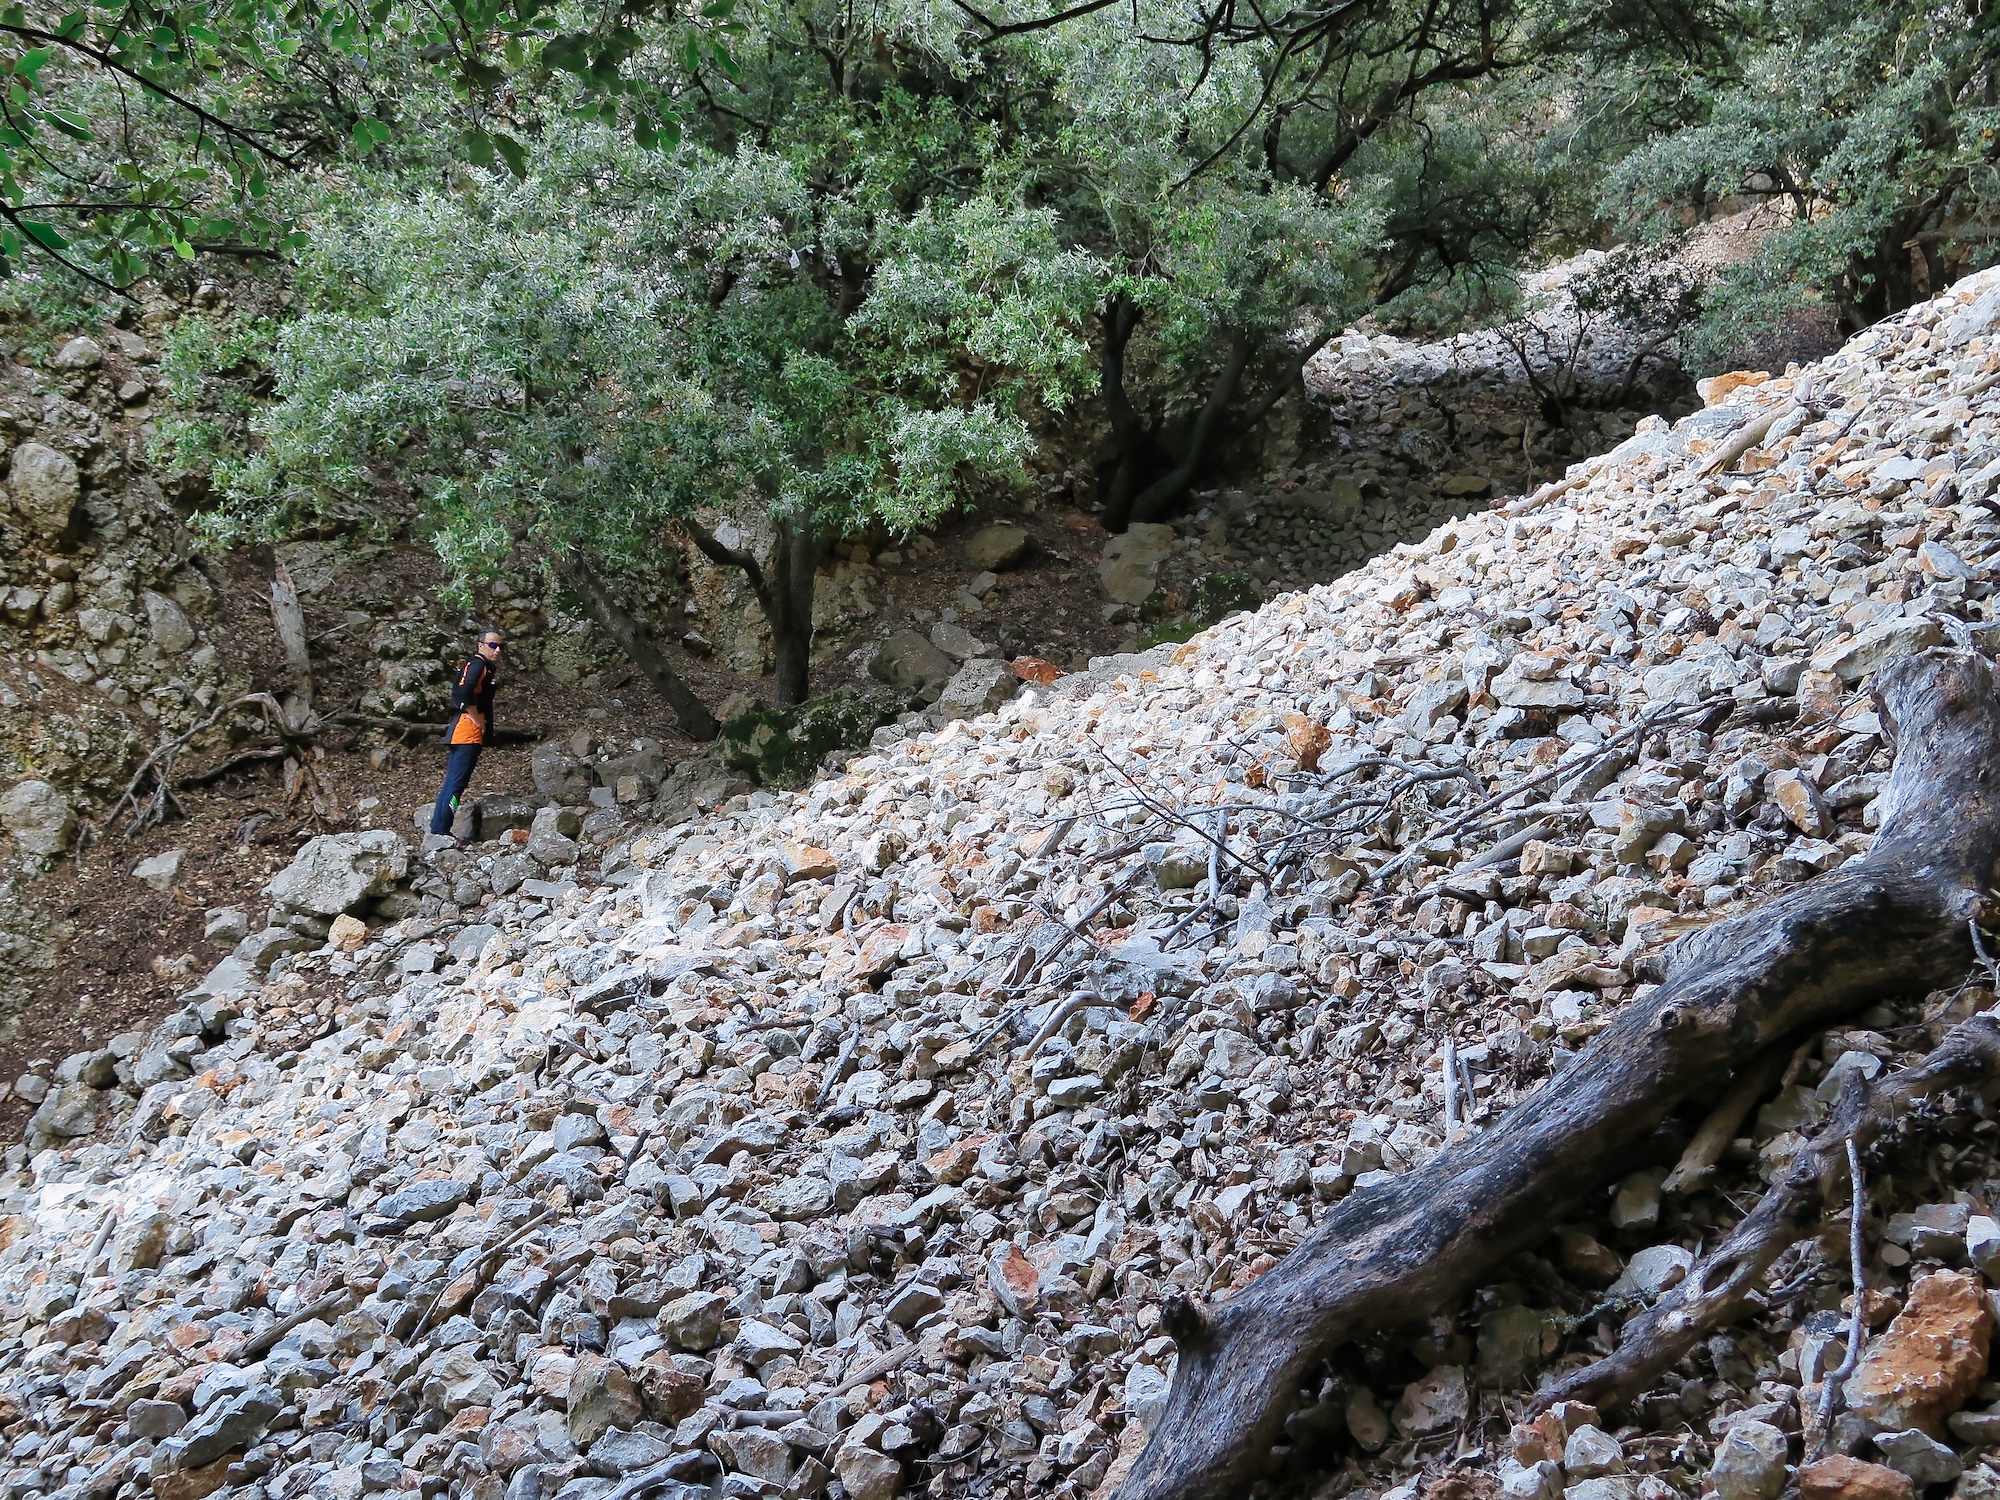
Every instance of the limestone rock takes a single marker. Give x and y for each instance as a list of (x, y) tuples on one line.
[(46, 489), (866, 1474), (1838, 1477), (80, 353), (997, 548), (1591, 1452), (1923, 1458), (337, 872), (160, 871), (1437, 1401), (227, 1426), (558, 775), (37, 817), (167, 624), (978, 687), (907, 660), (1130, 566), (423, 1201), (1859, 656), (601, 1397), (1750, 1462)]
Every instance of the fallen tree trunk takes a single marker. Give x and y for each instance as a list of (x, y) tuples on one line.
[(1725, 1286), (1892, 922)]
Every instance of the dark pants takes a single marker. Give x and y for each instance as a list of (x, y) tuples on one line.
[(457, 772)]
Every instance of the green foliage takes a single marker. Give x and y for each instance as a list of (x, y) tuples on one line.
[(1214, 597), (156, 130), (564, 363), (1871, 133), (1218, 595)]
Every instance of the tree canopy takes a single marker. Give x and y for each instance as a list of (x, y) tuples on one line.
[(760, 274)]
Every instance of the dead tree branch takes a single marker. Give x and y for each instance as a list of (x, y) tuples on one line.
[(1879, 926), (1726, 1285), (152, 807)]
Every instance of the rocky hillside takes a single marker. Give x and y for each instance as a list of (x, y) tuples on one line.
[(847, 1141)]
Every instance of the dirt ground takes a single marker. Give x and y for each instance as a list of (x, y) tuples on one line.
[(133, 950)]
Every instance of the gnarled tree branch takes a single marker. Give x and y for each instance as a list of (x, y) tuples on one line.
[(1890, 921)]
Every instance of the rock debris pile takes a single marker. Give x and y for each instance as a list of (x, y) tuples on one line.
[(847, 1141)]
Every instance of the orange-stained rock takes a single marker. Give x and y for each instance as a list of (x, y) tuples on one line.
[(1716, 387), (1926, 1365), (808, 862), (1034, 669), (1842, 1478), (956, 1162), (194, 1484)]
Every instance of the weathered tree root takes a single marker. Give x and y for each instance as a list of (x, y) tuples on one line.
[(1890, 922), (1725, 1285)]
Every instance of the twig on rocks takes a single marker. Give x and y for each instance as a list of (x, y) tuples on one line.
[(268, 1339), (1057, 834), (1834, 1384), (477, 1268), (1508, 847), (1720, 1128), (1745, 438), (99, 1241), (741, 1416), (1638, 729), (1986, 960), (832, 1078), (876, 1368), (1077, 1003)]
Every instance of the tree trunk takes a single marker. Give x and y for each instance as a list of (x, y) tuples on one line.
[(785, 595), (638, 647), (789, 606), (1894, 922), (290, 620), (1160, 498), (1135, 443)]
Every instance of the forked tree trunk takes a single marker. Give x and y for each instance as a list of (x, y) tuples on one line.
[(1892, 923), (785, 593)]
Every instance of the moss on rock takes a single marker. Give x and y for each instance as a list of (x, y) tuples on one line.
[(784, 746)]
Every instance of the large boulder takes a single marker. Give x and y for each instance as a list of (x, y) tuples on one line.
[(979, 687), (558, 774), (784, 746), (167, 623), (46, 488), (646, 761), (337, 872), (78, 354), (907, 661), (994, 549), (37, 816), (1130, 565)]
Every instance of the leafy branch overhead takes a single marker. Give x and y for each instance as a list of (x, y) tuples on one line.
[(139, 130)]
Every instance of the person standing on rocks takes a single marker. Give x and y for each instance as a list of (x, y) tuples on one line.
[(471, 723)]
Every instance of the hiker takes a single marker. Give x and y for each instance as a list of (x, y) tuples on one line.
[(471, 724)]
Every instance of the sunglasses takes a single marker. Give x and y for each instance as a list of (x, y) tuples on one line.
[(496, 645)]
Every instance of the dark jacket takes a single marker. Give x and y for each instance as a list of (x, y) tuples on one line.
[(472, 688)]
